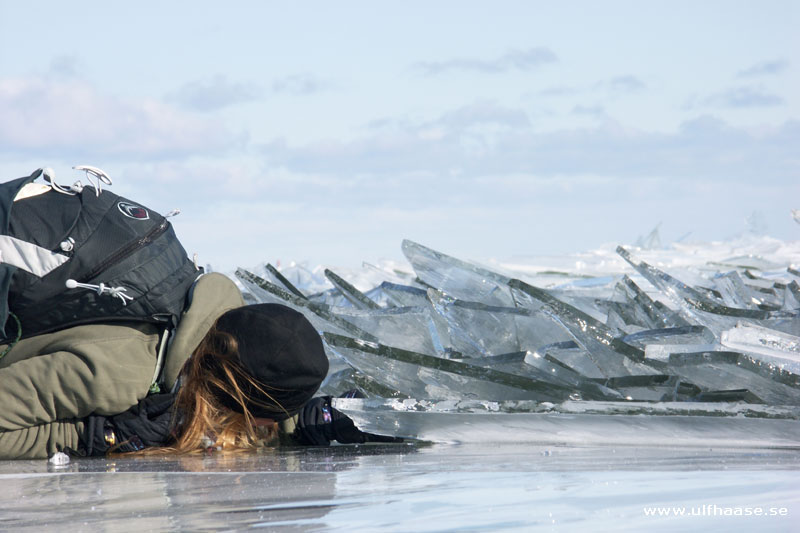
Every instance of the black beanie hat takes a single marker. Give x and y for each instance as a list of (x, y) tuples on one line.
[(282, 351)]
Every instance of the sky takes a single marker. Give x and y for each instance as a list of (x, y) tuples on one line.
[(328, 132)]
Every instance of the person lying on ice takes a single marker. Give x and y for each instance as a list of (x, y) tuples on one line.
[(240, 375)]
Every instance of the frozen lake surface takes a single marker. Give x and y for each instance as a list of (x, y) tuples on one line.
[(411, 487)]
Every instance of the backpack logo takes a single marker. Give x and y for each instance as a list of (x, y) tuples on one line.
[(133, 211)]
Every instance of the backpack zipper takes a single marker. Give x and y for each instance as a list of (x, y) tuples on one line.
[(128, 250)]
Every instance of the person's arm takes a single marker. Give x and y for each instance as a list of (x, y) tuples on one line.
[(39, 442), (98, 369), (318, 424)]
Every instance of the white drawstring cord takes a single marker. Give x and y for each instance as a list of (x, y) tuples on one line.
[(49, 176), (101, 176), (118, 292)]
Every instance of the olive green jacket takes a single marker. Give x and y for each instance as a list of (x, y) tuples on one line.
[(48, 383)]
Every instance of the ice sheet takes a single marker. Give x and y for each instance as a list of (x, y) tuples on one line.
[(497, 487)]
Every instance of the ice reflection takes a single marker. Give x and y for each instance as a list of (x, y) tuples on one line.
[(367, 488)]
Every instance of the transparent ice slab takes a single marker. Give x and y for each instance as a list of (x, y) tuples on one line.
[(283, 281), (580, 422), (658, 344), (319, 315), (769, 345), (749, 261), (657, 354), (397, 295), (551, 369), (545, 368), (678, 335), (422, 375), (572, 356), (456, 277), (733, 291), (476, 329), (719, 371), (357, 298), (344, 381), (653, 388), (609, 353), (791, 297), (410, 328), (306, 280), (696, 305), (645, 311)]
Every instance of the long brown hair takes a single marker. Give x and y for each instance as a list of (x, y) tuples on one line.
[(202, 422)]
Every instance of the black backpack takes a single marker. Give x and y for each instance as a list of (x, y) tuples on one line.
[(85, 256)]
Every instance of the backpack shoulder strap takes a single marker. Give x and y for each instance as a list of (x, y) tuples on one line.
[(8, 191)]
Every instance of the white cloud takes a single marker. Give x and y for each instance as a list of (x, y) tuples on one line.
[(559, 90), (764, 68), (738, 98), (215, 93), (589, 110), (524, 60), (75, 119), (623, 84), (299, 84), (482, 113), (482, 140), (64, 67), (605, 88)]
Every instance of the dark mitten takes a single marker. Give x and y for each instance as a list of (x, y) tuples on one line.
[(93, 440), (318, 424), (149, 421), (146, 424)]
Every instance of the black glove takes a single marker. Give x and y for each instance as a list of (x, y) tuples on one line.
[(318, 424), (143, 425)]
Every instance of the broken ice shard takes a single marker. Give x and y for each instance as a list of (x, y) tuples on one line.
[(280, 278), (658, 344), (553, 370), (653, 388), (319, 314), (770, 345), (700, 425), (735, 293), (572, 356), (410, 328), (719, 371), (475, 329), (611, 355), (353, 295), (424, 376), (693, 304), (396, 295), (347, 379), (636, 308), (680, 335), (457, 278)]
